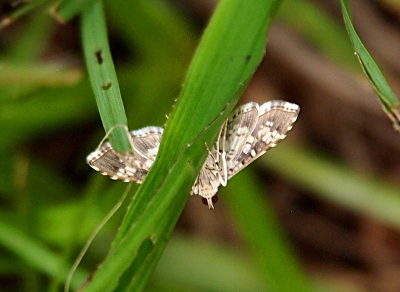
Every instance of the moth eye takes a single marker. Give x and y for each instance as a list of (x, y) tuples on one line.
[(214, 199)]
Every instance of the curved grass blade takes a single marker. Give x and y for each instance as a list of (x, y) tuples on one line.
[(103, 76), (310, 21), (356, 191), (260, 229), (374, 75)]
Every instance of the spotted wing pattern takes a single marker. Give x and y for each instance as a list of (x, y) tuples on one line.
[(250, 136), (250, 131), (129, 166)]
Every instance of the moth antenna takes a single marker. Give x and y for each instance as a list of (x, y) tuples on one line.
[(112, 129)]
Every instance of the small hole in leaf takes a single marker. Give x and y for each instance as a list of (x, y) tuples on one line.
[(99, 57), (106, 86)]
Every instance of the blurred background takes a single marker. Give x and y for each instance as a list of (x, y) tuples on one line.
[(333, 184)]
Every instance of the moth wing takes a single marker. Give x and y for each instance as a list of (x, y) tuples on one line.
[(118, 166), (240, 126), (145, 143), (129, 166), (275, 120)]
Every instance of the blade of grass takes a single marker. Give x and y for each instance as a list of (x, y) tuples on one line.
[(31, 117), (45, 75), (230, 50), (103, 76), (335, 182), (317, 26), (227, 269), (199, 265), (34, 254), (260, 229), (387, 98), (25, 8)]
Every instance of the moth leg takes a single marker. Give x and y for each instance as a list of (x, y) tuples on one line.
[(218, 156), (223, 179), (212, 153)]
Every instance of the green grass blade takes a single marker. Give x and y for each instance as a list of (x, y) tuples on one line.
[(337, 183), (260, 229), (32, 117), (320, 29), (24, 9), (230, 50), (206, 266), (374, 75), (103, 76), (21, 74), (199, 265), (33, 253)]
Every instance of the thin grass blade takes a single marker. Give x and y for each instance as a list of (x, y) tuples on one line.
[(387, 98), (103, 76)]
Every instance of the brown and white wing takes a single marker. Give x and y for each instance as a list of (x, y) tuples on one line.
[(275, 119), (241, 124), (128, 166), (145, 144)]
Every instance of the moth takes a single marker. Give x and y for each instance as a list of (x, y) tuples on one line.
[(249, 132)]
